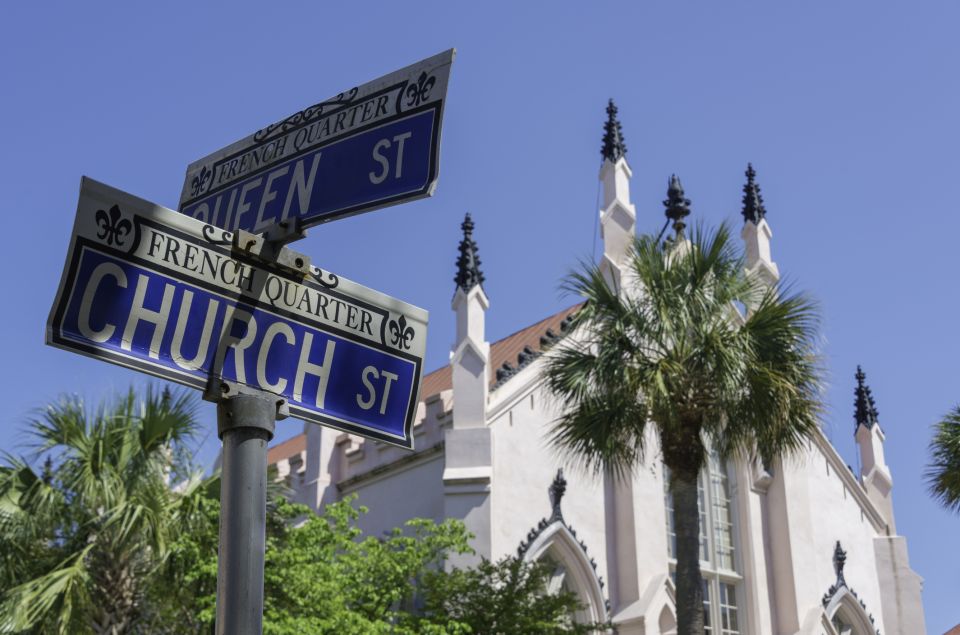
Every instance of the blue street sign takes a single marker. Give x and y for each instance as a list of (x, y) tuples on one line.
[(150, 289), (372, 146)]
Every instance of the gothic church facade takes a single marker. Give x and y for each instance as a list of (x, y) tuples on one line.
[(803, 546)]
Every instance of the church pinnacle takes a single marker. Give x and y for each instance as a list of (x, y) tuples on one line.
[(614, 146), (678, 206), (865, 413), (468, 262), (753, 209)]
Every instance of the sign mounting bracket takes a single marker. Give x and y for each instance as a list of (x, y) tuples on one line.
[(285, 232), (271, 251), (219, 390)]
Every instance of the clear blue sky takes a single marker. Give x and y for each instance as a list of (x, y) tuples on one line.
[(848, 111)]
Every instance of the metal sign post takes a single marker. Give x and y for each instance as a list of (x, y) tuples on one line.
[(245, 424)]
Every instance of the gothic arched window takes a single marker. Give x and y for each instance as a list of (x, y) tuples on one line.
[(571, 570), (848, 617), (554, 542)]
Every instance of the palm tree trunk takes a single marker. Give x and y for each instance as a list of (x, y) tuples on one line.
[(117, 591), (683, 486)]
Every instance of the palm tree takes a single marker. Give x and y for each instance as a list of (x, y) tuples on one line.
[(943, 474), (668, 348), (82, 537)]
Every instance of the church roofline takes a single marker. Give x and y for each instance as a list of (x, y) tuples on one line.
[(507, 350), (384, 470), (853, 485)]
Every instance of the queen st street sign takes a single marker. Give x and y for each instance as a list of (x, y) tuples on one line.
[(172, 296), (369, 147)]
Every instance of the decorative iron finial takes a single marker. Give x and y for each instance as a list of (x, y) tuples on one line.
[(614, 146), (468, 263), (865, 409), (678, 207), (753, 209), (557, 489), (839, 559)]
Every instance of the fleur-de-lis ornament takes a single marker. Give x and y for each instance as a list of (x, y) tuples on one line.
[(112, 227), (420, 91), (199, 181), (402, 333)]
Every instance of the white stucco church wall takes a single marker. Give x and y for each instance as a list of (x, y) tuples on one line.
[(800, 546)]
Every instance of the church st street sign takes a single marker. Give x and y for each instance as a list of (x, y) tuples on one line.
[(369, 147), (157, 291)]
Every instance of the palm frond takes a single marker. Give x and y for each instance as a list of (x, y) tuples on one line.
[(943, 473), (61, 424), (33, 601), (168, 416), (101, 515), (782, 393), (670, 346)]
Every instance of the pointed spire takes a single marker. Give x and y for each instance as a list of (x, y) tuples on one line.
[(678, 206), (753, 209), (614, 146), (865, 413), (468, 263)]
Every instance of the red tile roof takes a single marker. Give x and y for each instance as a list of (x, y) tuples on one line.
[(507, 349), (504, 350), (439, 380), (290, 447)]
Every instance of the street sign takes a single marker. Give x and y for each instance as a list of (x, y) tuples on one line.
[(157, 291), (369, 147)]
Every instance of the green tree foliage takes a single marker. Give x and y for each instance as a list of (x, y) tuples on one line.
[(322, 575), (670, 349), (943, 473), (506, 597), (114, 534), (82, 537)]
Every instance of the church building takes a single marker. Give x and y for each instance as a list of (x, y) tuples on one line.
[(802, 546)]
